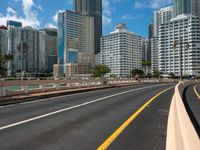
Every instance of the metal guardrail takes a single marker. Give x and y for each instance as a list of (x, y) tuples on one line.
[(181, 134)]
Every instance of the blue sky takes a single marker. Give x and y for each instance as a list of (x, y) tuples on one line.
[(137, 14)]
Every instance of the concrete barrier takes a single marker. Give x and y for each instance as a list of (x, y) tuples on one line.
[(181, 134)]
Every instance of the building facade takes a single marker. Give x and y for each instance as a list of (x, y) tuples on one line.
[(186, 7), (92, 8), (159, 17), (179, 46), (154, 54), (121, 51), (27, 45), (3, 40), (51, 48), (14, 23), (75, 44)]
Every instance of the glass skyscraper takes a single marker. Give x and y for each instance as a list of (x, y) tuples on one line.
[(186, 7), (92, 8), (75, 44)]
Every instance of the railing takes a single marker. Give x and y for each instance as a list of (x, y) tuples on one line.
[(17, 87), (181, 134)]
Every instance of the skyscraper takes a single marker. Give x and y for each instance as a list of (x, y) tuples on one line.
[(75, 44), (163, 15), (27, 45), (51, 47), (159, 17), (186, 7), (92, 8)]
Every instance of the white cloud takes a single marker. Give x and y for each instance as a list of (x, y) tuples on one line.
[(106, 12), (30, 10), (11, 11), (51, 25), (55, 17), (153, 4), (106, 21)]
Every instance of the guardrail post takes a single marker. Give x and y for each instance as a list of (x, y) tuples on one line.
[(57, 86), (25, 89), (2, 92), (42, 87)]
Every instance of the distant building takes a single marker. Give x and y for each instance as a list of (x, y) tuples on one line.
[(159, 17), (150, 31), (121, 51), (92, 8), (154, 54), (3, 40), (179, 46), (14, 23), (51, 48), (186, 7), (75, 44), (27, 45)]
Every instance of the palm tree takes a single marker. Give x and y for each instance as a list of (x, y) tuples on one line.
[(146, 65)]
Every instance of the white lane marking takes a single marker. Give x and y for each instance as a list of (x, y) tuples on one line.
[(73, 107), (47, 99)]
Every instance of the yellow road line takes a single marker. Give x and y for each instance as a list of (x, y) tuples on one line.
[(108, 142), (195, 91)]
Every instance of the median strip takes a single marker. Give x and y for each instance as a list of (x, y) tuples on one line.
[(109, 141)]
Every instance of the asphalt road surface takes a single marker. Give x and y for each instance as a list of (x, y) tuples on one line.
[(125, 118), (192, 102)]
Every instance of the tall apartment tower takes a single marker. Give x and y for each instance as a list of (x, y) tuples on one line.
[(75, 44), (27, 45), (186, 7), (159, 17), (92, 8), (179, 46), (121, 50)]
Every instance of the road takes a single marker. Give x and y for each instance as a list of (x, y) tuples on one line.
[(135, 116), (192, 102)]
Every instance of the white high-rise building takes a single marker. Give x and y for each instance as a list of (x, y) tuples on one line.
[(179, 46), (121, 51), (159, 17)]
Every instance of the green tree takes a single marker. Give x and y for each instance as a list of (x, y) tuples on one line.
[(172, 75), (137, 72), (157, 74), (3, 60), (100, 70)]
